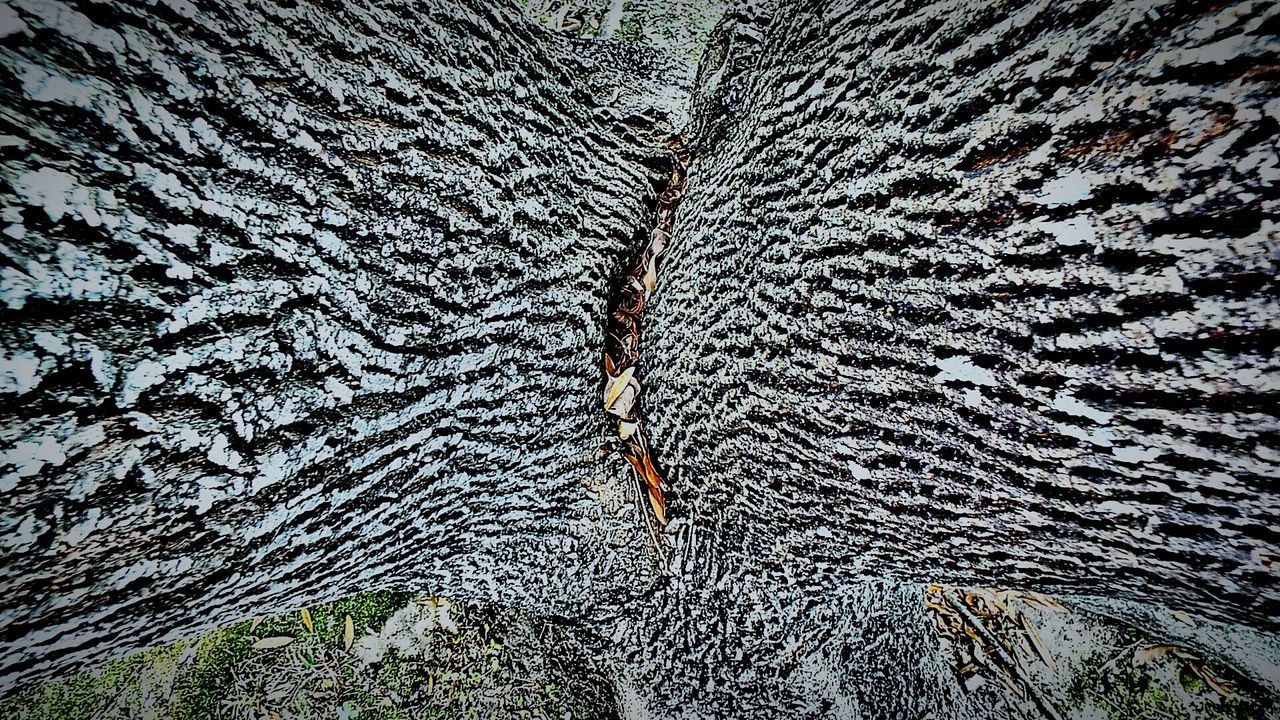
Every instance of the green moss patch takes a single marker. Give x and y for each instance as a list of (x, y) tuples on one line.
[(434, 659)]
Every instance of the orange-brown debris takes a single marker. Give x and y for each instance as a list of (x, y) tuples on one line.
[(622, 345)]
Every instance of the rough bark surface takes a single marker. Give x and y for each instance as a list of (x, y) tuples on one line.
[(983, 293), (967, 292), (304, 298)]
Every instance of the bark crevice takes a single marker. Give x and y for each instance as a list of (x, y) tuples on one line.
[(623, 335)]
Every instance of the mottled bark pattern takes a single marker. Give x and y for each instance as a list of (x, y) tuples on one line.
[(983, 293), (304, 298), (968, 292), (301, 299)]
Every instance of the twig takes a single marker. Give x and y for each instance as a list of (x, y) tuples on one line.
[(1036, 696), (639, 485), (1122, 652)]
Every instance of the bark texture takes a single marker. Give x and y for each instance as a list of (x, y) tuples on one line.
[(304, 298), (300, 299), (966, 292), (984, 293)]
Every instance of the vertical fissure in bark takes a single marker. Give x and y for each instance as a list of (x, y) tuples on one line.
[(622, 338)]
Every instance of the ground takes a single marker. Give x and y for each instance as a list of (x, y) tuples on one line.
[(414, 655), (408, 655)]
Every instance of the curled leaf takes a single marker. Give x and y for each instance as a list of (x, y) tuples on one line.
[(1222, 687), (626, 429), (306, 620), (617, 385), (348, 633), (1152, 653), (1037, 643), (624, 406)]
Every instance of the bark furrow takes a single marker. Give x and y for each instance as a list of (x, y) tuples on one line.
[(301, 299), (622, 390)]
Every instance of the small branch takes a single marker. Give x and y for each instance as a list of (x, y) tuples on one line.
[(1037, 697)]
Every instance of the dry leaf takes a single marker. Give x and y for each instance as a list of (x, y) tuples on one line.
[(1155, 652), (627, 429), (617, 385), (306, 620), (984, 602), (624, 405), (269, 643), (1034, 636), (1223, 688), (348, 634), (256, 622), (1194, 663), (650, 276)]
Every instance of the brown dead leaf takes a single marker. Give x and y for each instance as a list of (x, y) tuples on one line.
[(1222, 687), (306, 620), (269, 643), (650, 276), (348, 633), (1152, 653), (984, 602), (1193, 662)]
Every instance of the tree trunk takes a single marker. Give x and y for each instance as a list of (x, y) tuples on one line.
[(306, 298), (984, 294)]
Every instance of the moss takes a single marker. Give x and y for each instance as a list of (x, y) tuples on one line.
[(630, 30), (197, 678), (1189, 681), (1163, 688), (467, 673)]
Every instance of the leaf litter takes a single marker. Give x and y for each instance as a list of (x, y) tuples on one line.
[(1041, 660)]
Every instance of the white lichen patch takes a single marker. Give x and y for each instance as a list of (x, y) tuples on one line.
[(1072, 406), (409, 632), (1073, 231), (961, 368), (19, 372), (1066, 190)]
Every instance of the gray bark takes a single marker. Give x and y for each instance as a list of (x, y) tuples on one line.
[(303, 299), (307, 298), (992, 298)]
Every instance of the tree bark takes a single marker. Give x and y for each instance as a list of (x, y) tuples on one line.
[(302, 299), (305, 298), (983, 294)]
